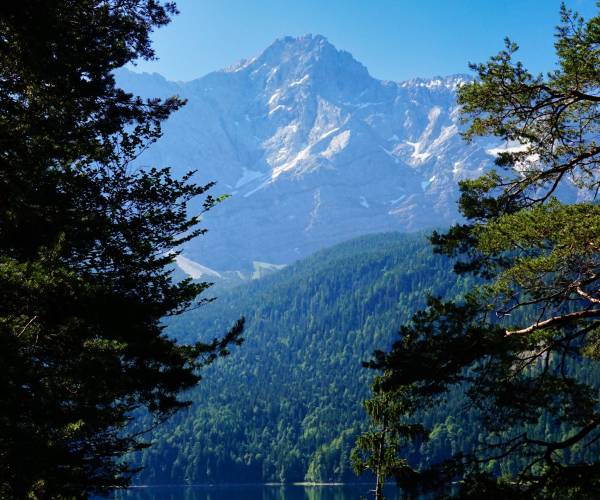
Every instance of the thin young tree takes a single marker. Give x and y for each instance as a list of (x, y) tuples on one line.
[(86, 247), (377, 450)]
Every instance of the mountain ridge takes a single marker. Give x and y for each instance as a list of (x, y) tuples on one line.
[(313, 150)]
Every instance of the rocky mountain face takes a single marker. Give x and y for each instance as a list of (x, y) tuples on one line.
[(313, 151)]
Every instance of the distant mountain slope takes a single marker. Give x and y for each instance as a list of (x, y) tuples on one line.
[(286, 405), (313, 150)]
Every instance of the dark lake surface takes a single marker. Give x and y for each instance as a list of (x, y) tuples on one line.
[(254, 492)]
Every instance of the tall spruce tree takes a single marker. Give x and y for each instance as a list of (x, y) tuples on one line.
[(533, 236), (86, 242)]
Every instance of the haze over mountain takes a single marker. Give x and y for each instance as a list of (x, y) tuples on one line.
[(313, 150)]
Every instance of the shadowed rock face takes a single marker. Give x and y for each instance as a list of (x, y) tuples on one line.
[(313, 151)]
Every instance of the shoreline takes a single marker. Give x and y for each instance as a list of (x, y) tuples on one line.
[(305, 484)]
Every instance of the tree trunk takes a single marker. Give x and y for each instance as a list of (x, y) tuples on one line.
[(380, 476), (378, 488)]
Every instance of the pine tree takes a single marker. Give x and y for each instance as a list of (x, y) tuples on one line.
[(515, 341), (86, 245)]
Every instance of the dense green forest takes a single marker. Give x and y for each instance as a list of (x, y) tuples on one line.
[(286, 405)]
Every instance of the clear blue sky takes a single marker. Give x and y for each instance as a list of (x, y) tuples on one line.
[(395, 39)]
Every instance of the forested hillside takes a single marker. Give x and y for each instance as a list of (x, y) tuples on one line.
[(286, 406)]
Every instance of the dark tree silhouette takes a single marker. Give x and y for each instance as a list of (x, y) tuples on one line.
[(85, 248), (516, 341)]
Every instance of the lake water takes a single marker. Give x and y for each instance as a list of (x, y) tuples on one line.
[(254, 492)]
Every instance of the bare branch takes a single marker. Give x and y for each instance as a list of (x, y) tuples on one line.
[(555, 321)]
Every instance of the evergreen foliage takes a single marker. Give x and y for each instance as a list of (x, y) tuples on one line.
[(85, 245), (286, 407), (377, 449), (522, 343)]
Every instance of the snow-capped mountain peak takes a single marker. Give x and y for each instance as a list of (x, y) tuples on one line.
[(308, 54), (313, 150)]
